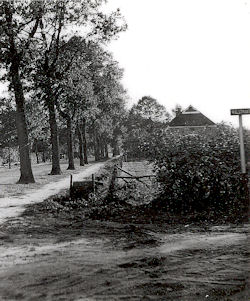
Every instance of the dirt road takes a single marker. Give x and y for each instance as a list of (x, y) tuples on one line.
[(50, 255), (9, 177), (13, 205), (42, 259)]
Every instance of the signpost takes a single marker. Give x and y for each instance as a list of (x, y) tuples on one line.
[(241, 112)]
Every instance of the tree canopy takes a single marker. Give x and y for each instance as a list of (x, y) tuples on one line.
[(149, 108), (33, 39)]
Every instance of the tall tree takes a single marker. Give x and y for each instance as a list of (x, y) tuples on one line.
[(90, 89), (85, 15), (144, 118), (106, 76), (74, 93), (19, 22), (71, 104), (149, 108)]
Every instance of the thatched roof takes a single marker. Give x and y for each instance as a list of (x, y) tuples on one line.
[(191, 117)]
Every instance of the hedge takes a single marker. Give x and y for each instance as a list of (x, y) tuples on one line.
[(199, 171)]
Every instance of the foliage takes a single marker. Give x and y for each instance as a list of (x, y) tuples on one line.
[(104, 117), (8, 137), (59, 49), (37, 119), (149, 108), (199, 171), (90, 90), (177, 110), (144, 119), (33, 36), (137, 193)]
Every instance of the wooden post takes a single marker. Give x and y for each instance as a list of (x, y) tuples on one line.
[(112, 181), (242, 148), (71, 185), (71, 181)]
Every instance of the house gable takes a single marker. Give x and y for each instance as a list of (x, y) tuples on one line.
[(191, 117)]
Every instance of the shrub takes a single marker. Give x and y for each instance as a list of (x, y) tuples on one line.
[(199, 171), (136, 193)]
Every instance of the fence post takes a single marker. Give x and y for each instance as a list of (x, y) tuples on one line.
[(112, 182), (71, 185), (71, 181)]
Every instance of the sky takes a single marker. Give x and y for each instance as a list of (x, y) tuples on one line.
[(187, 52)]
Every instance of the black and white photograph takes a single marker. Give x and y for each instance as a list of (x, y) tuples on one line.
[(124, 150)]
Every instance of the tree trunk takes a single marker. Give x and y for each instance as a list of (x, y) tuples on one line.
[(37, 157), (43, 157), (54, 137), (80, 145), (116, 150), (84, 140), (102, 150), (22, 133), (70, 144), (106, 150), (96, 146), (95, 151), (37, 153)]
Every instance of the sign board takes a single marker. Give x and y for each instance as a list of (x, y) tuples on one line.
[(240, 111)]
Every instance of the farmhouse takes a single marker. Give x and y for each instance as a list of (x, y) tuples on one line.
[(191, 118)]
